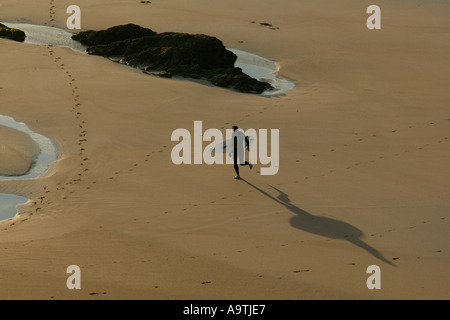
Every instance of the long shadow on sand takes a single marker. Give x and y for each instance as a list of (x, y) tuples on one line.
[(325, 227)]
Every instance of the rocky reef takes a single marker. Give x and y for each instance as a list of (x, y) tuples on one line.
[(11, 33), (169, 54)]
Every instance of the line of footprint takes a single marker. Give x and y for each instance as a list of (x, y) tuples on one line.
[(41, 200), (52, 11), (75, 109)]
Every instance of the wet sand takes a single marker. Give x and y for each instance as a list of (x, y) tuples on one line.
[(17, 152), (363, 173)]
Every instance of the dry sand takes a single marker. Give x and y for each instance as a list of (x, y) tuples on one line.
[(17, 152), (363, 180)]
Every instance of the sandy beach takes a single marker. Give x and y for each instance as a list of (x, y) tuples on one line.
[(364, 152)]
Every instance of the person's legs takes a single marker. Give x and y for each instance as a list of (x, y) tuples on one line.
[(235, 159), (238, 158), (241, 160)]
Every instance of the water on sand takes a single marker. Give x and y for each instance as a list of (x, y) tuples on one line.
[(255, 66), (43, 35), (8, 205), (47, 155)]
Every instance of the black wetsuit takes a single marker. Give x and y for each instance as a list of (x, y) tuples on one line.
[(238, 152)]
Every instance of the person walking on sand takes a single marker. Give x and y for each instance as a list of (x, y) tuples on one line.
[(239, 138)]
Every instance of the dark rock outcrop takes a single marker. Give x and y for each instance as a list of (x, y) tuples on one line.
[(171, 54), (11, 33)]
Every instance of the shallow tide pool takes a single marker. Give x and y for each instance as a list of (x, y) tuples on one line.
[(48, 154), (8, 205)]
